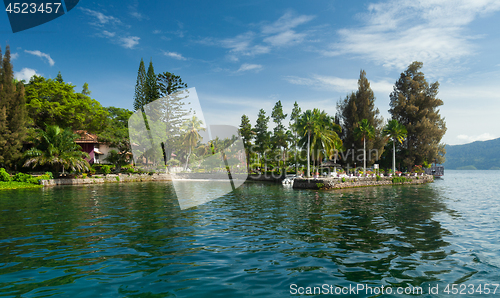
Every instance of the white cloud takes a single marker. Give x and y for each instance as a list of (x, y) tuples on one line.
[(174, 55), (286, 22), (129, 42), (41, 55), (108, 34), (156, 31), (338, 84), (243, 45), (274, 35), (396, 32), (286, 38), (14, 56), (481, 137), (25, 74), (247, 67), (100, 18)]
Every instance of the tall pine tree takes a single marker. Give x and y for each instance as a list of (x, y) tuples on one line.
[(414, 104), (280, 137), (12, 114), (355, 107), (140, 92), (151, 91), (246, 134), (262, 136)]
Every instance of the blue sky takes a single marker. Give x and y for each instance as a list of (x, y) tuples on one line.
[(242, 56)]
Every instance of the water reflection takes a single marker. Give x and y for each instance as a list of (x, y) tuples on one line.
[(133, 240)]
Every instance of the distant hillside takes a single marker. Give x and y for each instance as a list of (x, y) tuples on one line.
[(480, 155)]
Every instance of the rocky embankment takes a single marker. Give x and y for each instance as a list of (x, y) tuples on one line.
[(352, 182)]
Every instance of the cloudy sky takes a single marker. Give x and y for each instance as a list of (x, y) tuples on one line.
[(242, 56)]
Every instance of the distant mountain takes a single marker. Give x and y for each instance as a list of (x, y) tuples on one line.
[(479, 155)]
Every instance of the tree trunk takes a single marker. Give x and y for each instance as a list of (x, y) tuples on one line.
[(187, 159), (308, 154), (364, 156), (393, 157)]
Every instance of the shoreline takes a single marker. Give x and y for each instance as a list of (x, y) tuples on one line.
[(298, 183)]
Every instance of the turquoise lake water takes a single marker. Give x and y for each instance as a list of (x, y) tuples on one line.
[(132, 240)]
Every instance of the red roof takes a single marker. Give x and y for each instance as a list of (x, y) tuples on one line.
[(86, 137)]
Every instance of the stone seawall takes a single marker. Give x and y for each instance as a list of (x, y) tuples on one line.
[(111, 178), (336, 183)]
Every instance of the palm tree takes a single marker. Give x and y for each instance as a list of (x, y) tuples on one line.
[(320, 132), (364, 131), (397, 132), (57, 147), (191, 136), (305, 126), (325, 137)]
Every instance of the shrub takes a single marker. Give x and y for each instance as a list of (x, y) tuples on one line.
[(106, 169), (343, 179), (92, 171), (378, 178), (320, 185), (117, 178), (21, 177), (84, 175), (4, 176)]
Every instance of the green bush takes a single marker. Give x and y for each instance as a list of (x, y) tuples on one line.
[(21, 177), (320, 185), (400, 180), (343, 179), (106, 169), (4, 176), (84, 175), (117, 178), (378, 178)]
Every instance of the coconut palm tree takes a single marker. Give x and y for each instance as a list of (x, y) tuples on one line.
[(57, 147), (191, 136), (364, 130), (305, 127), (318, 131), (325, 135), (397, 132)]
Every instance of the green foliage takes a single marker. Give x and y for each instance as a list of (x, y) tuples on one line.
[(355, 107), (106, 169), (4, 176), (50, 102), (169, 83), (140, 93), (84, 175), (397, 179), (378, 178), (151, 91), (21, 177), (320, 185), (12, 113), (247, 135), (57, 147), (117, 178), (343, 179), (415, 105), (18, 185)]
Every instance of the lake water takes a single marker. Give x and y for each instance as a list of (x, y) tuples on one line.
[(262, 240)]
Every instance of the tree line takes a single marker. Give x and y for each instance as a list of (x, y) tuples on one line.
[(38, 120), (356, 134)]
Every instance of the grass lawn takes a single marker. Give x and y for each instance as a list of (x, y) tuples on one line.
[(18, 185)]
